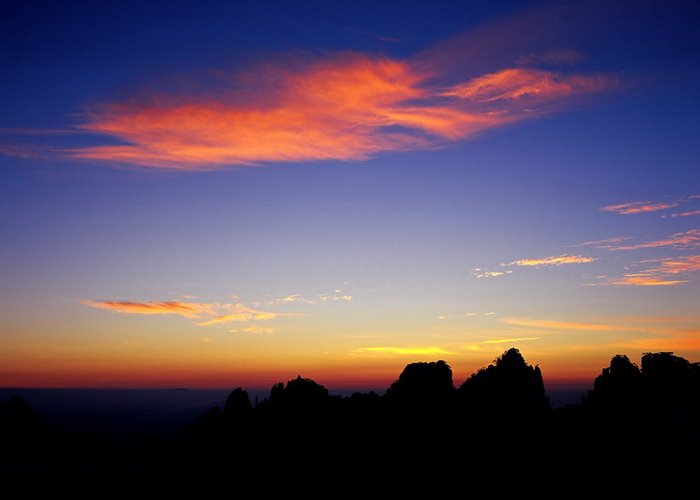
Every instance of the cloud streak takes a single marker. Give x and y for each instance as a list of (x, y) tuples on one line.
[(186, 309), (242, 312), (552, 261), (668, 272), (686, 214), (216, 311), (681, 241), (418, 351), (560, 325), (503, 341), (637, 207)]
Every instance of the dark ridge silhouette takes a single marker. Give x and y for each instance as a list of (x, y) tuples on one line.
[(496, 425), (660, 401)]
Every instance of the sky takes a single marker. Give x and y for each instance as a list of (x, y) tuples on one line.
[(219, 194)]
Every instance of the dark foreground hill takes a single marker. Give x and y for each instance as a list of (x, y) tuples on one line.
[(636, 424)]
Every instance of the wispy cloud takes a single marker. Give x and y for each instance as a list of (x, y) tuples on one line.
[(28, 151), (686, 214), (666, 272), (504, 341), (257, 330), (418, 351), (666, 319), (552, 261), (292, 298), (186, 309), (636, 207), (560, 325), (35, 131), (645, 279), (679, 342), (478, 273), (518, 83), (543, 262), (336, 295), (217, 312), (553, 57), (606, 243), (242, 312), (677, 265), (683, 240)]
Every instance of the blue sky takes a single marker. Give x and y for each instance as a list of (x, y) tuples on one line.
[(207, 193)]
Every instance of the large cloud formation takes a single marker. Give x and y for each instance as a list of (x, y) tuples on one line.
[(347, 106)]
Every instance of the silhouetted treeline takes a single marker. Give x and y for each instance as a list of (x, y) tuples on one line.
[(424, 428)]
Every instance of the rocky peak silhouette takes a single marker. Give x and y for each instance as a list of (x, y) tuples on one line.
[(238, 404), (301, 397), (508, 386), (422, 380)]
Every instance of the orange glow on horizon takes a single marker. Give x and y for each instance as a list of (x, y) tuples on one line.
[(575, 366)]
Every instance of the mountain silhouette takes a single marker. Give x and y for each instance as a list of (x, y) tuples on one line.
[(497, 422)]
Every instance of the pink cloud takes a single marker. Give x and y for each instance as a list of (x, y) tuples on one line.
[(686, 214), (683, 240), (636, 207), (668, 272)]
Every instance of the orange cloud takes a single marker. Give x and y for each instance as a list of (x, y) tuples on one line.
[(347, 106), (637, 207), (644, 279), (552, 261), (222, 313), (186, 309)]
